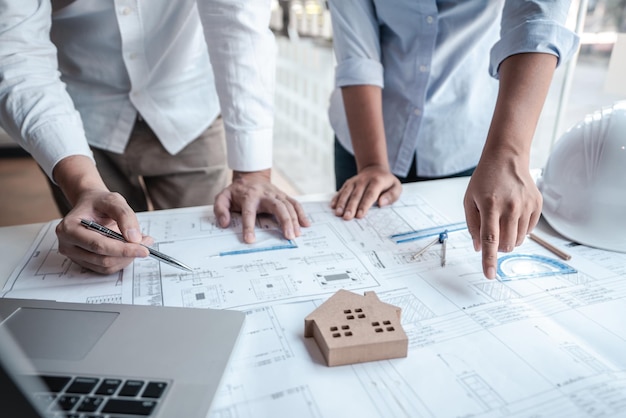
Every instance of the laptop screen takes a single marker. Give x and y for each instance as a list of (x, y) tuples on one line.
[(15, 391)]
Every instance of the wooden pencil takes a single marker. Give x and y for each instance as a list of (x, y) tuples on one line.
[(550, 247)]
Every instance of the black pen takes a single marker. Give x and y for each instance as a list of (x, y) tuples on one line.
[(154, 253)]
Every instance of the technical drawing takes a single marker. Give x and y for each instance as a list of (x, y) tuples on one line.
[(481, 391), (270, 288), (201, 297), (495, 290), (391, 393), (196, 278), (336, 277), (166, 228), (54, 263), (262, 330), (578, 278), (413, 310), (515, 348), (580, 354), (290, 399), (260, 267), (116, 298), (322, 259), (387, 222)]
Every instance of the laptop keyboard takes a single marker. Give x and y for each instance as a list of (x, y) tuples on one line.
[(90, 397)]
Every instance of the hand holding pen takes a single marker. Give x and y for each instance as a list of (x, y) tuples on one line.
[(115, 235), (89, 197)]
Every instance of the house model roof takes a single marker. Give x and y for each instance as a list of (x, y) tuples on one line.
[(351, 328)]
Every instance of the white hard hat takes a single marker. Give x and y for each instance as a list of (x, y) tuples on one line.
[(584, 181)]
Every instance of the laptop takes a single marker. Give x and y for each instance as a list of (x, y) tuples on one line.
[(84, 360)]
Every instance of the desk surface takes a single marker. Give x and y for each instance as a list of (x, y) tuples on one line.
[(544, 342)]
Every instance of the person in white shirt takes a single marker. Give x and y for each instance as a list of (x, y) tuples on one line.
[(130, 96)]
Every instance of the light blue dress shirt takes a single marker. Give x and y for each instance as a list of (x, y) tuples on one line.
[(437, 62), (165, 59)]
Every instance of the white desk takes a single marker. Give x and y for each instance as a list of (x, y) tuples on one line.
[(541, 346)]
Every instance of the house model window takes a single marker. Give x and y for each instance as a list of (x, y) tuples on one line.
[(350, 328)]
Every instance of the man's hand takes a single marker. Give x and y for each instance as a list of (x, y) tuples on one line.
[(253, 192), (93, 250), (502, 205), (78, 178), (372, 185), (374, 181)]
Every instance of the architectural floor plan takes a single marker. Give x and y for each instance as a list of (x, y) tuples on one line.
[(545, 339)]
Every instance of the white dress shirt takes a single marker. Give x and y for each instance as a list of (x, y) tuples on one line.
[(437, 62), (120, 57)]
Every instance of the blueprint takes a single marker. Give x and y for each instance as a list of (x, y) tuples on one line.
[(546, 343), (44, 273)]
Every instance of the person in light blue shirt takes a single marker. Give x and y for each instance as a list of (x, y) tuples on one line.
[(117, 97), (431, 89)]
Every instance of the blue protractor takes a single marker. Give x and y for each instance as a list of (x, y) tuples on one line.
[(530, 266)]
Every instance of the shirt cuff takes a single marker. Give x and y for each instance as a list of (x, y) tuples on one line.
[(546, 37), (249, 151), (359, 71), (55, 141)]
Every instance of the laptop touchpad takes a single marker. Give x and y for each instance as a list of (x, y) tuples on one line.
[(58, 334)]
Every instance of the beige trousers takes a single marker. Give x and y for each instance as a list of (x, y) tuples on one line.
[(150, 178)]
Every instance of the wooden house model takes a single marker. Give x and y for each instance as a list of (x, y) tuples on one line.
[(351, 328)]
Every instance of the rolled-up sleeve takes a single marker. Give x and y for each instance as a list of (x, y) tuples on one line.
[(242, 50), (533, 26), (35, 108), (356, 43)]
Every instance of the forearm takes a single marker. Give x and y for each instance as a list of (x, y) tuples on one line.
[(242, 51), (35, 108), (77, 174), (363, 105), (524, 84)]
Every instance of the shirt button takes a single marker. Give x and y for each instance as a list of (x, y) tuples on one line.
[(125, 11), (132, 56), (429, 19), (417, 112), (423, 68)]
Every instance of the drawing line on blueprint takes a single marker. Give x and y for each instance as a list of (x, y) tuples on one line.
[(262, 329), (117, 299), (297, 398), (482, 392), (391, 394), (201, 297)]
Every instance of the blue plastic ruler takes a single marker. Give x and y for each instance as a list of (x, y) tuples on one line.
[(427, 232), (288, 244)]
